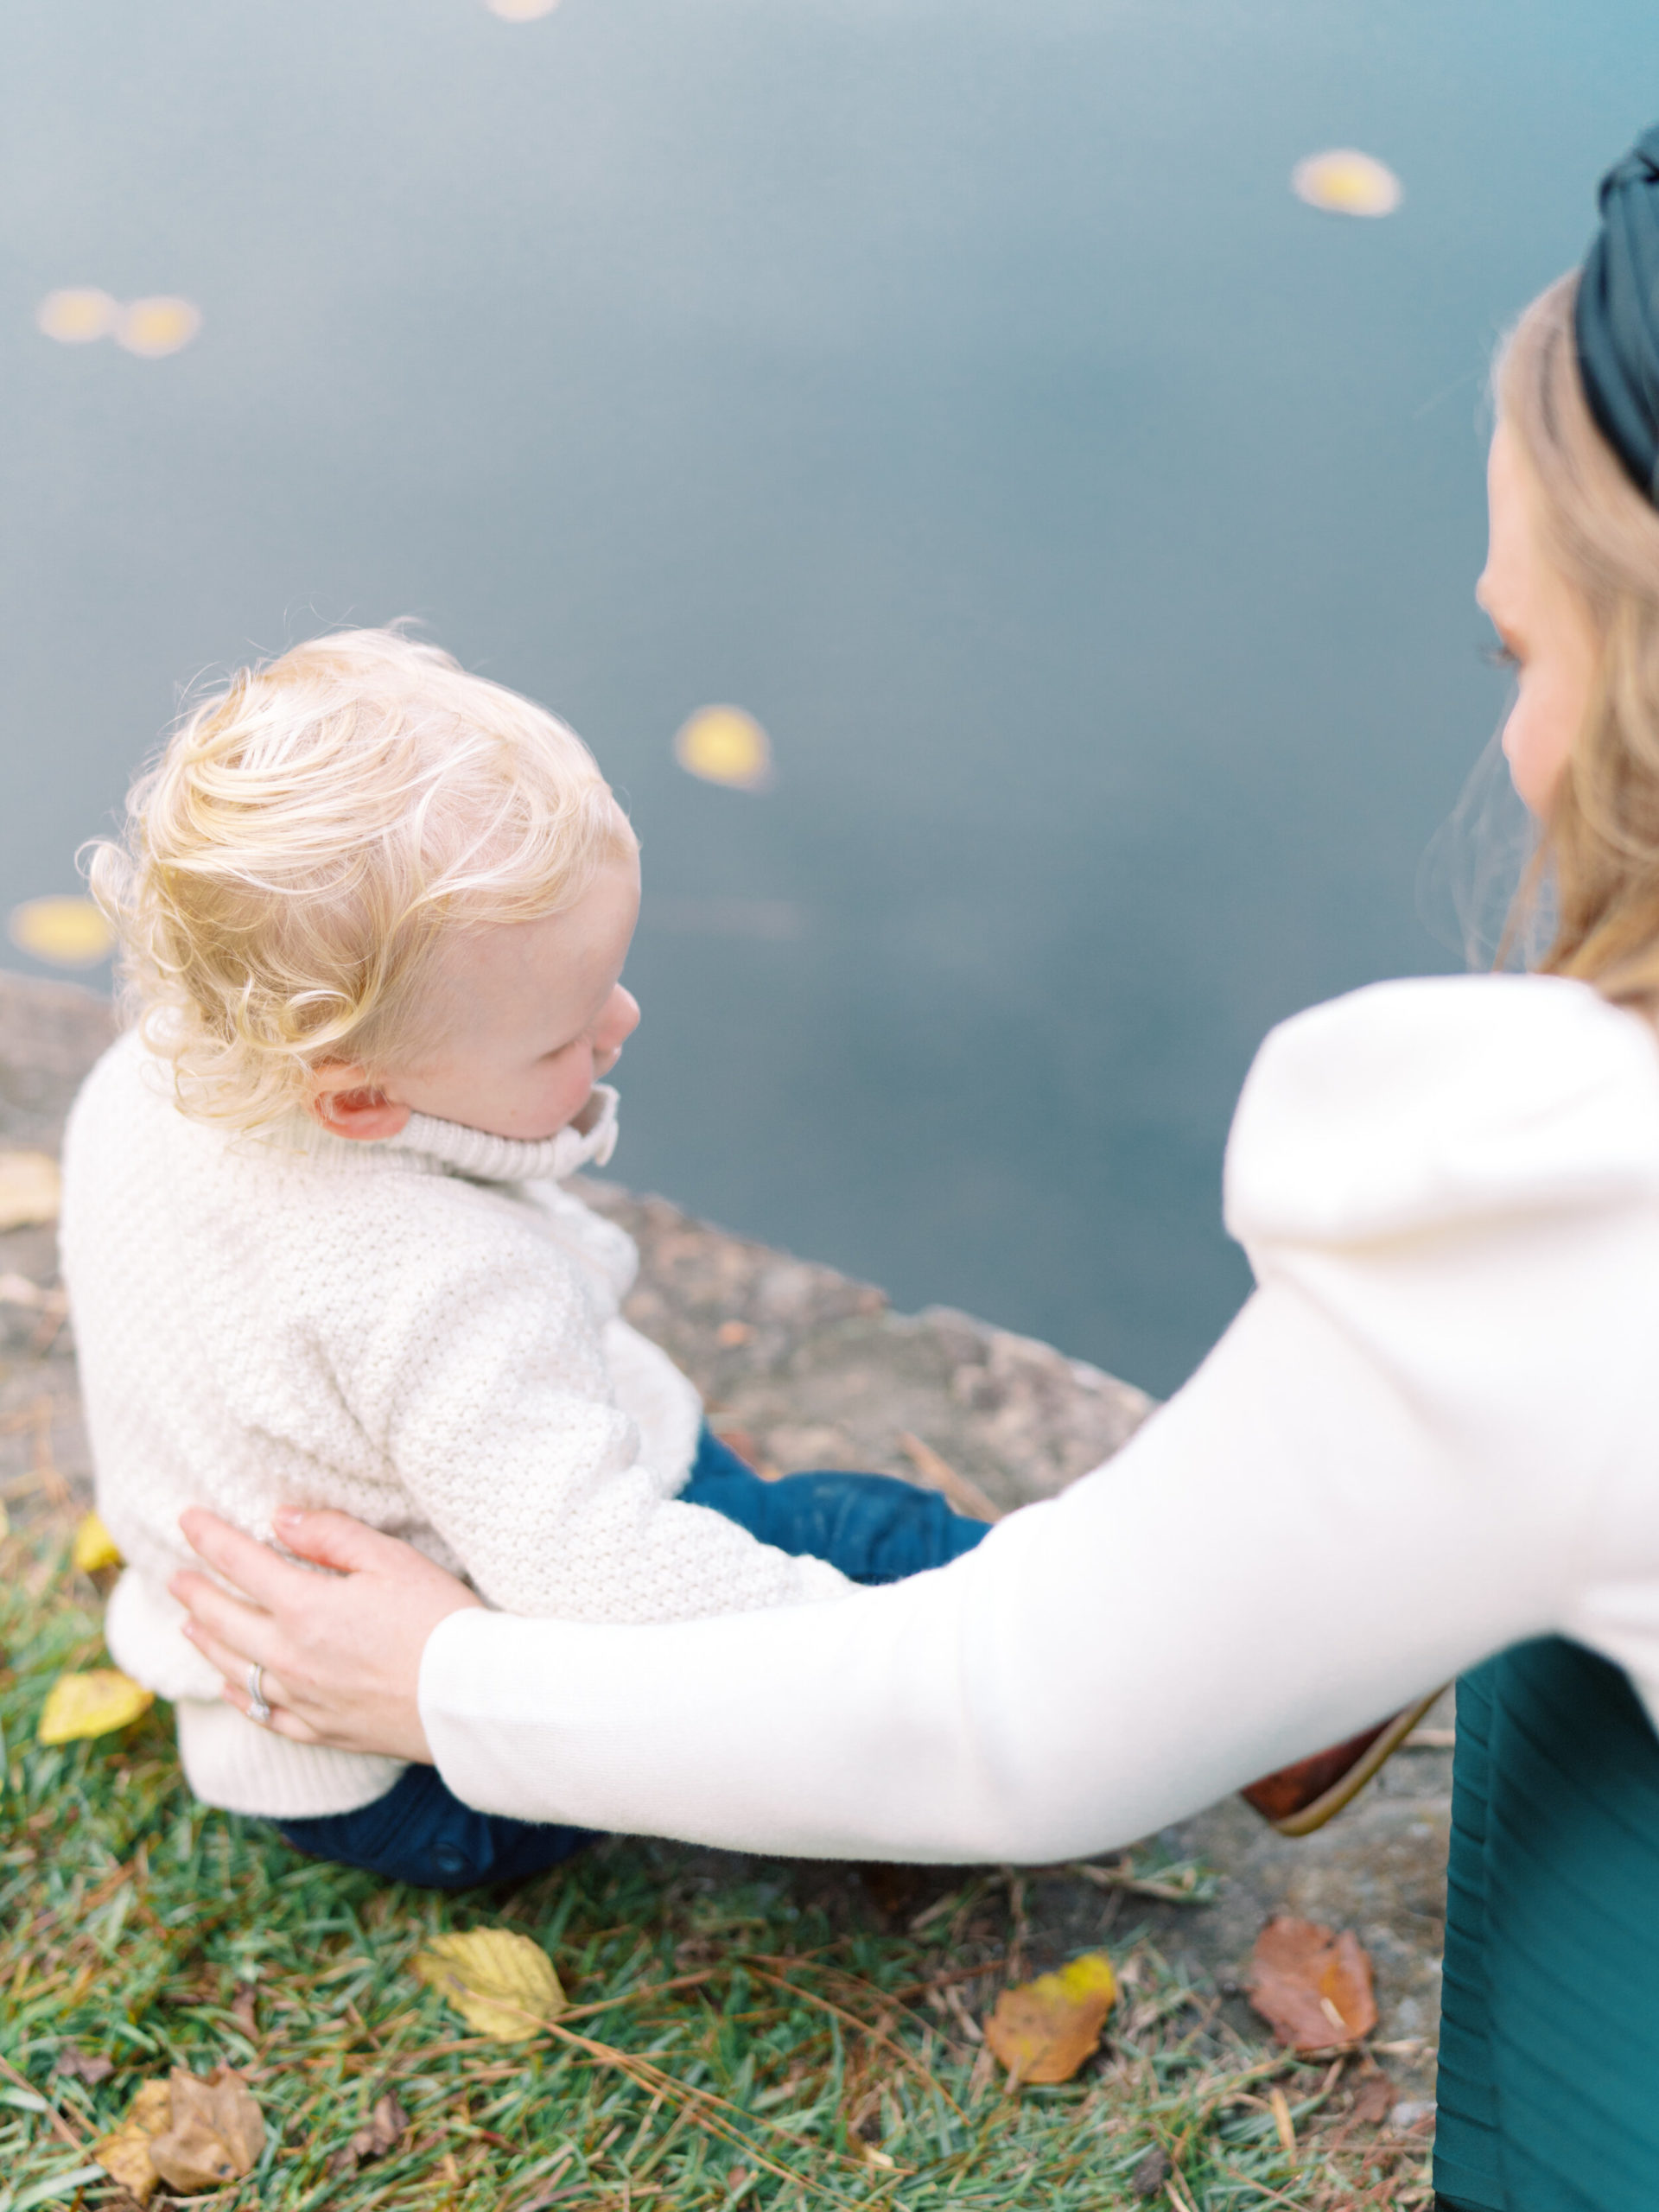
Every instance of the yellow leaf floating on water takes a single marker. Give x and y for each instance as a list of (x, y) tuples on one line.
[(77, 314), (30, 1189), (723, 745), (90, 1705), (71, 932), (95, 1547), (153, 326), (1344, 181), (1043, 2030), (501, 1984), (157, 326)]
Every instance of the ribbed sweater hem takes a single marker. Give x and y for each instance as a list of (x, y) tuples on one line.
[(229, 1762)]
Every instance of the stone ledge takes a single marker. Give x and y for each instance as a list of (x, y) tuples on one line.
[(50, 1034), (809, 1369)]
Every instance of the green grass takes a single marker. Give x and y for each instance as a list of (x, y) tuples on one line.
[(806, 2056)]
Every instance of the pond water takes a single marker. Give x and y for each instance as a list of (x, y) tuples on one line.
[(960, 390)]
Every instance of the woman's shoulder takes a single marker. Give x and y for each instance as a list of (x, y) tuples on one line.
[(1441, 1099)]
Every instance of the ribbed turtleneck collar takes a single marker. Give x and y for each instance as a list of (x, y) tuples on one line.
[(487, 1159), (459, 1150)]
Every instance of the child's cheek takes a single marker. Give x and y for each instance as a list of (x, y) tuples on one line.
[(569, 1097)]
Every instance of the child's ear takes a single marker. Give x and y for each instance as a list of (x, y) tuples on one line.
[(348, 1105)]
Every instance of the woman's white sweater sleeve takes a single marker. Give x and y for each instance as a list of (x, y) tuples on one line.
[(1277, 1559), (1399, 1458)]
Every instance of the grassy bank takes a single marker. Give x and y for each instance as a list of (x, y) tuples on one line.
[(740, 2033)]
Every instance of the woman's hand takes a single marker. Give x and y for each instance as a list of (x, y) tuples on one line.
[(341, 1652)]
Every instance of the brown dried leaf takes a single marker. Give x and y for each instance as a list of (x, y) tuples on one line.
[(1044, 2030), (77, 2065), (241, 2123), (190, 2158), (151, 2107), (1149, 2177), (386, 2126), (1312, 1987), (124, 2156), (1373, 2100), (193, 2134)]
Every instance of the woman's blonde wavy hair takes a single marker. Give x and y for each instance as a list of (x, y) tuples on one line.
[(306, 840), (1600, 844)]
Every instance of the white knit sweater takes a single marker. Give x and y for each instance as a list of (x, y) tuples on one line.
[(424, 1332)]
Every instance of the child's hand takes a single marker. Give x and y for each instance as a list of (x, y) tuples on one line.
[(339, 1655)]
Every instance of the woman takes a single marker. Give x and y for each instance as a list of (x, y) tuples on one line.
[(1432, 1435)]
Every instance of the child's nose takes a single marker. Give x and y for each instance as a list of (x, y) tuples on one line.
[(621, 1020)]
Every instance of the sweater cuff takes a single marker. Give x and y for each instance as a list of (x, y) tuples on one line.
[(469, 1657), (230, 1761)]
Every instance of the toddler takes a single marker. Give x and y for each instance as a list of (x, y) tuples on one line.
[(374, 913)]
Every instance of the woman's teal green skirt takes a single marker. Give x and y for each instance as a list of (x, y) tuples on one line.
[(1548, 2096)]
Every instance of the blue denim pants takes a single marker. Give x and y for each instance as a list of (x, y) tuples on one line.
[(871, 1527)]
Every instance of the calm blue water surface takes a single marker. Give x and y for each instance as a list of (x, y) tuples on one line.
[(959, 388)]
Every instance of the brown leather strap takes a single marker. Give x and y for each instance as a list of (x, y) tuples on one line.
[(1300, 1798)]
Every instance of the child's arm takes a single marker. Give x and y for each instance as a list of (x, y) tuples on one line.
[(486, 1387)]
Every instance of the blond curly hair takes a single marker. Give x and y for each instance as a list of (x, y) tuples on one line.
[(308, 837), (1600, 843)]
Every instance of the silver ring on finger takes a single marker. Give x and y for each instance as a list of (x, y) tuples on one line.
[(258, 1709)]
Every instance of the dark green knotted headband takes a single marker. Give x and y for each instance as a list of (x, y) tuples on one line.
[(1617, 317)]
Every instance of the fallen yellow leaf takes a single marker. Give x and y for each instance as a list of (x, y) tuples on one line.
[(501, 1984), (95, 1547), (90, 1705), (124, 2156), (193, 2134), (30, 1189), (1043, 2030), (151, 2107)]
